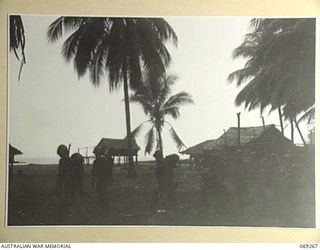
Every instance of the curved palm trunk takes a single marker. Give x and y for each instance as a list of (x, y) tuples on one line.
[(281, 122), (299, 131), (131, 169), (160, 140)]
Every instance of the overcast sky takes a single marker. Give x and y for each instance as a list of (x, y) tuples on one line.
[(50, 105)]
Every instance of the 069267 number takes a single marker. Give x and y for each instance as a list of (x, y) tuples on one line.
[(309, 246)]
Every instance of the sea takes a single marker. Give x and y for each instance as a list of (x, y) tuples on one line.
[(20, 160)]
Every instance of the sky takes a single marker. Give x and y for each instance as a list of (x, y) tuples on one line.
[(51, 106)]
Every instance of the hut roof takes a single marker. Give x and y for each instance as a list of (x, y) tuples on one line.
[(230, 139), (120, 146), (14, 151), (247, 135), (200, 148)]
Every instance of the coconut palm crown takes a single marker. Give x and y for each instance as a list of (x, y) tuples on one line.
[(158, 105)]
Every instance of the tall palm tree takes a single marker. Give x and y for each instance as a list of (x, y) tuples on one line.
[(122, 48), (158, 104), (17, 39), (280, 68)]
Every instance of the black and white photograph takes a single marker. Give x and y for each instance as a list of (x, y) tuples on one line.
[(161, 121)]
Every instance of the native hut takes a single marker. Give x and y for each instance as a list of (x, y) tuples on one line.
[(12, 152), (118, 148), (197, 152), (262, 139)]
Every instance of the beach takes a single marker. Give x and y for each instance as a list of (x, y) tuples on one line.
[(33, 202)]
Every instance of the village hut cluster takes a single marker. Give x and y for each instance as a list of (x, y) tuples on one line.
[(257, 167)]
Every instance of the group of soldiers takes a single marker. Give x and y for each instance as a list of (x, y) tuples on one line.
[(69, 186), (270, 182)]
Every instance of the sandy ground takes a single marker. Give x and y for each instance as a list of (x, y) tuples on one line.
[(32, 201)]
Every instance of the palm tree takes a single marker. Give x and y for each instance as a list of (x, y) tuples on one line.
[(280, 68), (122, 48), (17, 39), (157, 104)]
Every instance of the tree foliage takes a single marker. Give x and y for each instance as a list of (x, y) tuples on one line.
[(158, 104), (280, 66)]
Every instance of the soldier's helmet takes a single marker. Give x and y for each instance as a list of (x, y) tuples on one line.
[(63, 151), (77, 158), (172, 160), (158, 154)]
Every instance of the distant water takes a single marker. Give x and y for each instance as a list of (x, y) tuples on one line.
[(55, 160), (37, 160)]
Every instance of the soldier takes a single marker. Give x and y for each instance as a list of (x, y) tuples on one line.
[(77, 162), (64, 166), (102, 175), (165, 179), (65, 184), (159, 165)]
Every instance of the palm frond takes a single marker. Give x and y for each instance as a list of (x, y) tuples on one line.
[(70, 46), (164, 30), (179, 99), (66, 23), (309, 115), (172, 111), (136, 132), (17, 39), (176, 138), (149, 140), (98, 62), (241, 75), (91, 37)]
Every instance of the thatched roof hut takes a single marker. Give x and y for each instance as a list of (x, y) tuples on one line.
[(200, 148), (119, 146), (257, 138), (12, 152)]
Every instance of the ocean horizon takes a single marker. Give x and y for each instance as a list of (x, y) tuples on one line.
[(21, 160), (37, 160)]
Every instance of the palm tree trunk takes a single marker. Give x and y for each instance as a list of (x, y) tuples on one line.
[(292, 130), (281, 122), (299, 131), (131, 169), (160, 140)]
